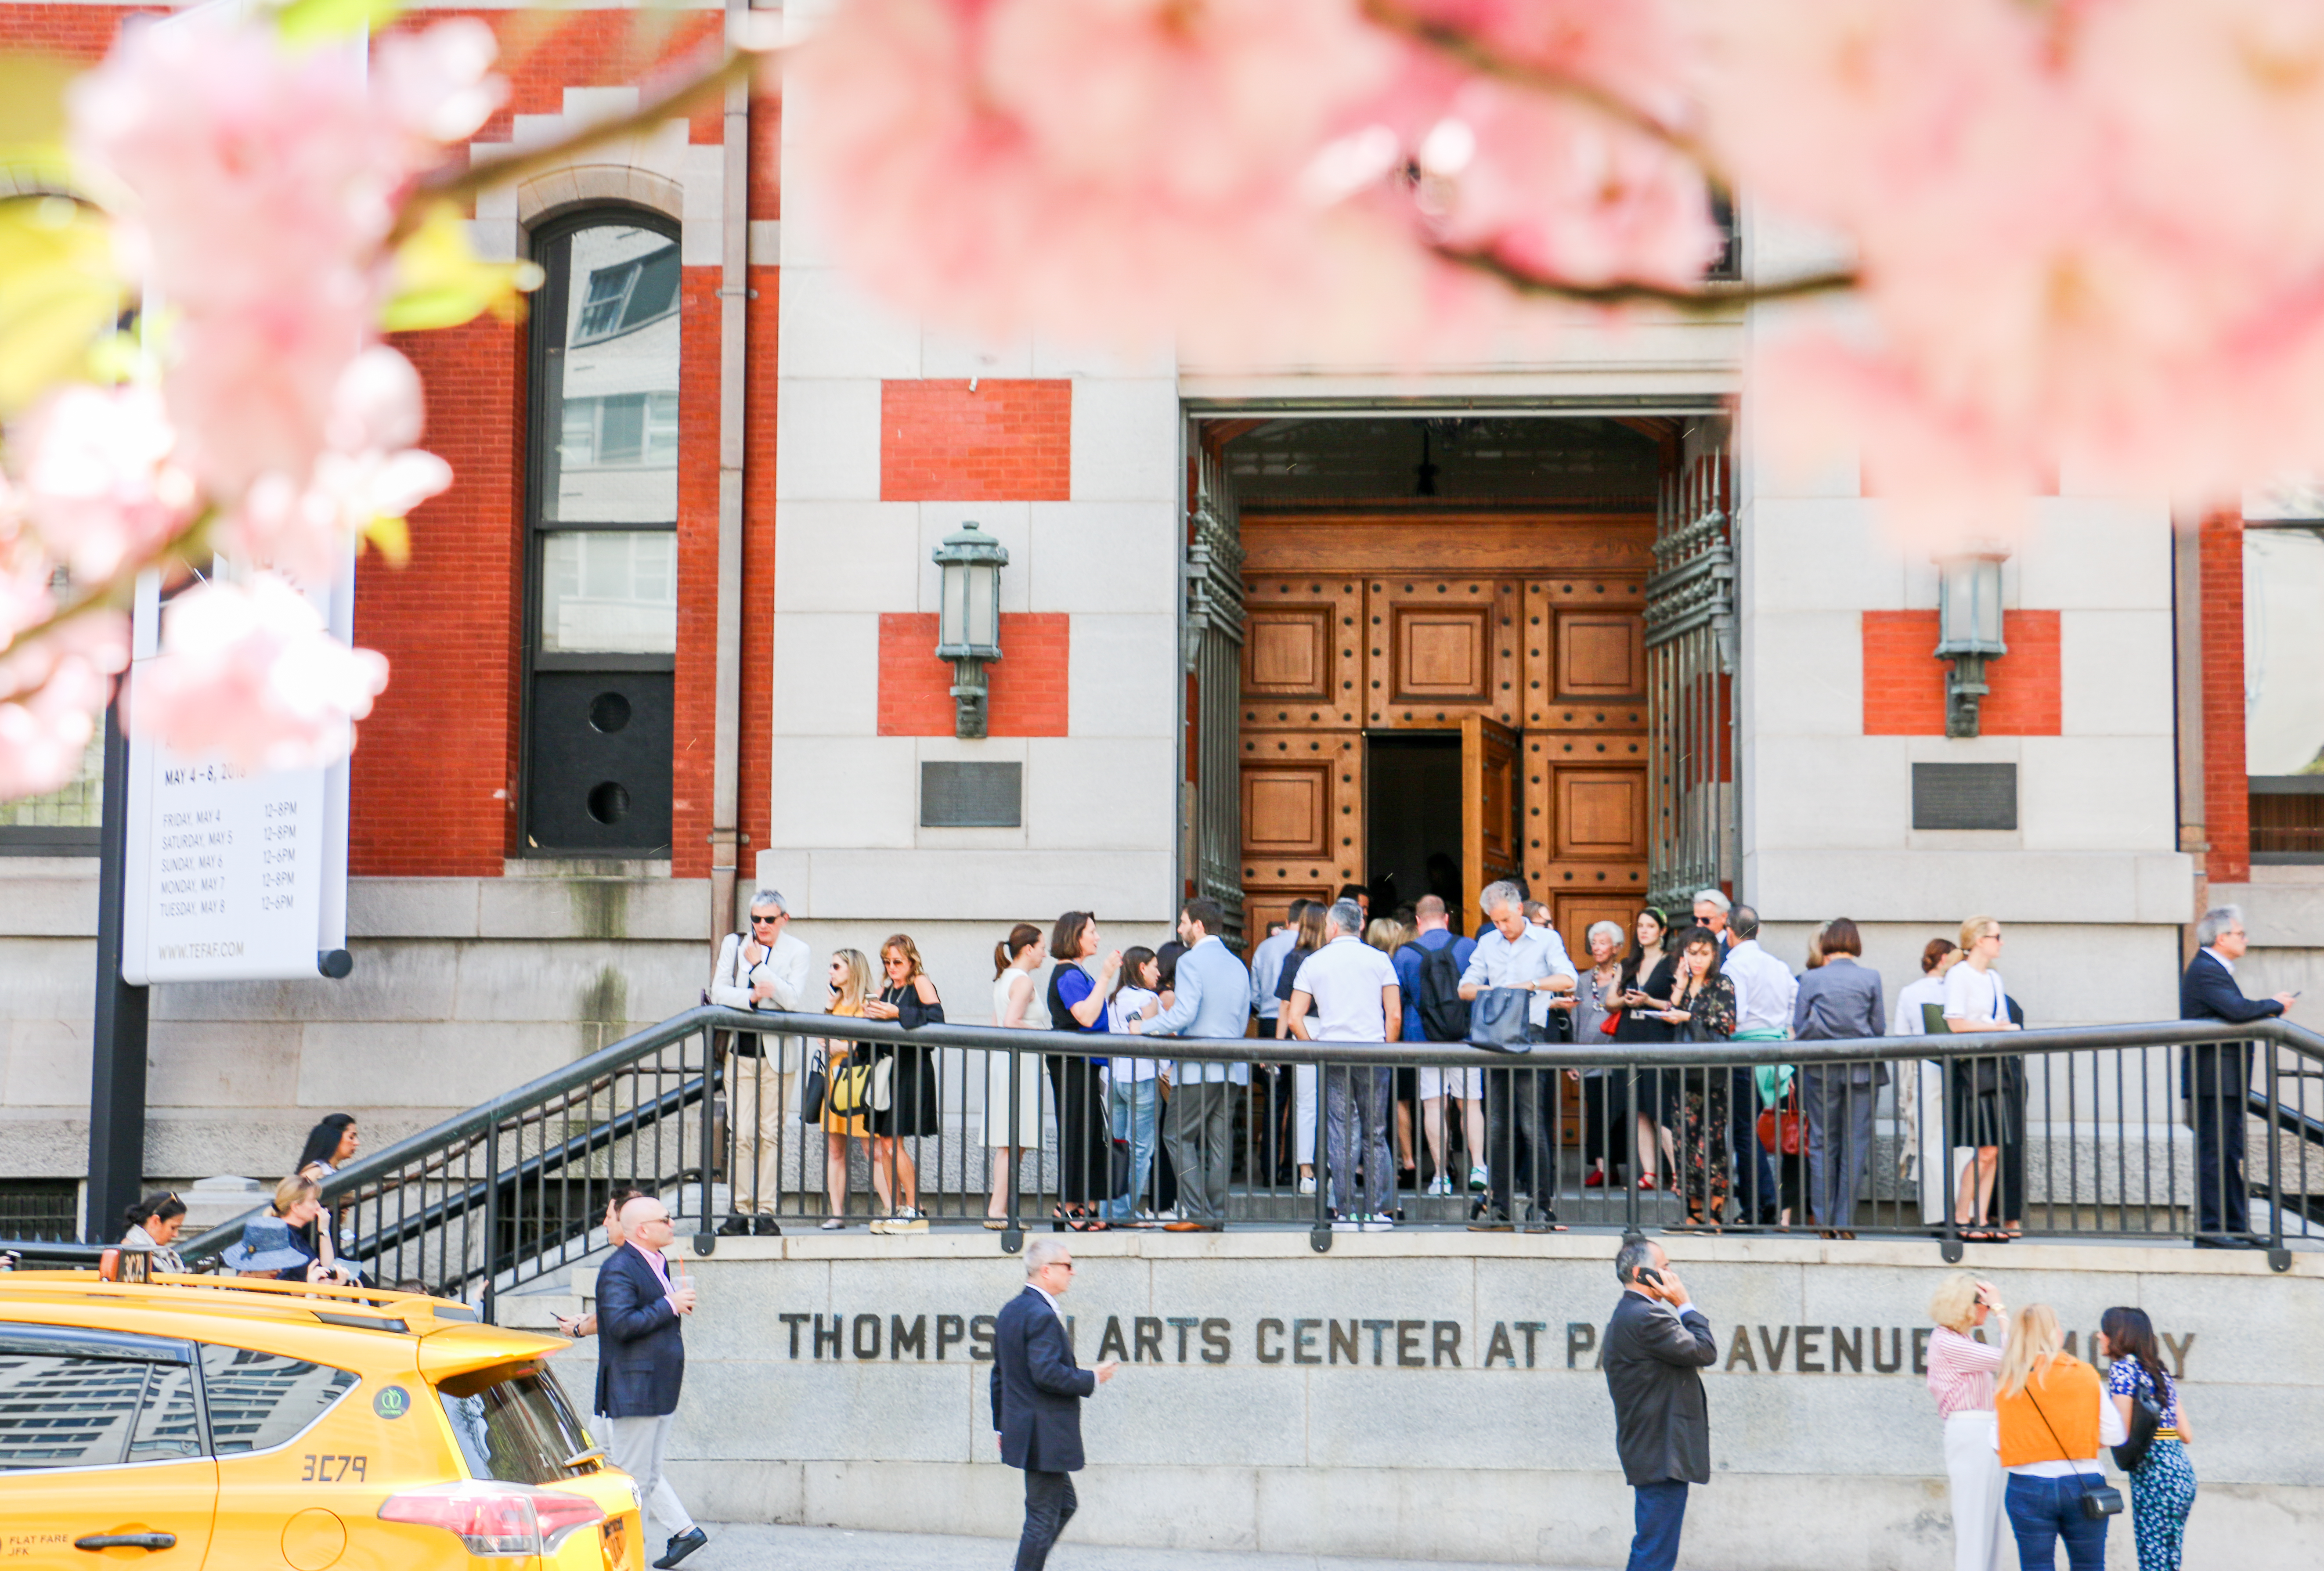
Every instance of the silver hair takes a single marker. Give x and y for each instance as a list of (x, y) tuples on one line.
[(1041, 1253), (773, 898), (1347, 916), (1612, 928), (1500, 894), (2217, 921), (1717, 900), (1636, 1253)]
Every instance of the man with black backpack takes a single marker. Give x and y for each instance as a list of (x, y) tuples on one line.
[(1428, 969)]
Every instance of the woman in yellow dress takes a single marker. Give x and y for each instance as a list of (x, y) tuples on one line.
[(851, 982)]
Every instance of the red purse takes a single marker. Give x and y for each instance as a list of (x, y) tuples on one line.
[(1780, 1132)]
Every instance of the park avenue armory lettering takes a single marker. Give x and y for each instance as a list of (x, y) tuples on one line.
[(1381, 1344)]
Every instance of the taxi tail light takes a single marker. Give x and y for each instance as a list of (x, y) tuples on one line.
[(507, 1521)]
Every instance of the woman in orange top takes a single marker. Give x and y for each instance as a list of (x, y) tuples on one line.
[(851, 981), (2054, 1418)]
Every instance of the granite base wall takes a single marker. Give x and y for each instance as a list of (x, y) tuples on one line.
[(1434, 1454)]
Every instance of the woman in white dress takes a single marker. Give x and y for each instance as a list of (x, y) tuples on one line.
[(1016, 1003), (1924, 1113)]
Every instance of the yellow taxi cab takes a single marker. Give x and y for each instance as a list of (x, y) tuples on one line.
[(249, 1424)]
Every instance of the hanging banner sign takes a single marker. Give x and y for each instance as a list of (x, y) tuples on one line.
[(233, 877)]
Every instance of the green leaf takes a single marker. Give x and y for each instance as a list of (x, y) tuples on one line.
[(58, 294), (439, 282), (320, 21)]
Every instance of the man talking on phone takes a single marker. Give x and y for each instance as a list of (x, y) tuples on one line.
[(1038, 1389), (1657, 1346)]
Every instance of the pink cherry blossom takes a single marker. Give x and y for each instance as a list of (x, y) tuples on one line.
[(100, 485), (51, 689), (1233, 175), (248, 672)]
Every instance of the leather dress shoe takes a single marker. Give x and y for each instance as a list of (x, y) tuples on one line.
[(735, 1226), (764, 1226)]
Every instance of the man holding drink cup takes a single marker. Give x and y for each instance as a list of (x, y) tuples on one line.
[(641, 1362)]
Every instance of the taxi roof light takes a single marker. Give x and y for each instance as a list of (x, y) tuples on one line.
[(498, 1520)]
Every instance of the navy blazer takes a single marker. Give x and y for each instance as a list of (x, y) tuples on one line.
[(641, 1351), (1653, 1372), (1037, 1388), (2207, 992)]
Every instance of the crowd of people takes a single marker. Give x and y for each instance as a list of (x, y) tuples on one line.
[(1146, 1140)]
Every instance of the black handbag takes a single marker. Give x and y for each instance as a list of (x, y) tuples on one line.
[(2099, 1500), (812, 1094), (2145, 1420), (1501, 1018)]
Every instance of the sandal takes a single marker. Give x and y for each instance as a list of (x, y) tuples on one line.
[(1647, 1181)]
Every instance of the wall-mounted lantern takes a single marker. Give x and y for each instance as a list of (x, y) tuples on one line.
[(1969, 629), (968, 627)]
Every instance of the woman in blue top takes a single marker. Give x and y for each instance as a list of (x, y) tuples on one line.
[(2163, 1485), (1085, 1133)]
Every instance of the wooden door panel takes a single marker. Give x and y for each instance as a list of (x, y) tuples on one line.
[(1300, 665), (1584, 653), (1436, 648), (1576, 914), (1557, 868), (1601, 814), (1491, 845), (1303, 829), (1600, 655)]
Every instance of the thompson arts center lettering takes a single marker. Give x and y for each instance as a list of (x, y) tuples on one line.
[(1199, 1339)]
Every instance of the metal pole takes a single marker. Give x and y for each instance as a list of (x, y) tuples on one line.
[(1319, 1237), (1012, 1236), (492, 1219), (706, 1239), (117, 1083), (2279, 1258)]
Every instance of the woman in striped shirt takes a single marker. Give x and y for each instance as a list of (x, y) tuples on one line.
[(1960, 1377)]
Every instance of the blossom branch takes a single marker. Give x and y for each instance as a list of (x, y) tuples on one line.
[(114, 593), (456, 184), (1710, 300), (1466, 49)]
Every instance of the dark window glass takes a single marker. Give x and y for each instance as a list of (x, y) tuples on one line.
[(67, 1412), (259, 1400), (515, 1424)]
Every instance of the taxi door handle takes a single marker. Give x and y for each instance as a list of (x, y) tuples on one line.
[(127, 1541)]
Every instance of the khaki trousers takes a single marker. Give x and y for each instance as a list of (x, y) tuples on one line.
[(762, 1112)]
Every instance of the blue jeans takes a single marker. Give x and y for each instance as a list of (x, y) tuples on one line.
[(1661, 1513), (1134, 1107), (2043, 1511)]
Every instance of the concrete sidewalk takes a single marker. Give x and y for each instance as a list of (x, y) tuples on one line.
[(755, 1547)]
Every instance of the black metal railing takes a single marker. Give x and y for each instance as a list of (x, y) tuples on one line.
[(2072, 1134)]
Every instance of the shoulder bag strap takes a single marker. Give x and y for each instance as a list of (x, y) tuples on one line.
[(2053, 1431)]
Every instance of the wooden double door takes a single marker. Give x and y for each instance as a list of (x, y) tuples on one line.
[(1540, 675)]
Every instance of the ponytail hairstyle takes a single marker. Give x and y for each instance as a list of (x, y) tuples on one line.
[(2034, 1344), (1021, 937), (2131, 1335), (161, 1207), (1132, 960)]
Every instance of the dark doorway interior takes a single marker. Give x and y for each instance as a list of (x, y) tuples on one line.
[(1412, 804)]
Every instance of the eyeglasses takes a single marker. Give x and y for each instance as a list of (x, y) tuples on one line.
[(756, 919), (1061, 1264)]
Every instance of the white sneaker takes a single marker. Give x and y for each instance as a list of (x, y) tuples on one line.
[(1169, 1215), (1354, 1224), (1480, 1180), (1440, 1185), (834, 1224), (1307, 1184), (904, 1220), (1378, 1224)]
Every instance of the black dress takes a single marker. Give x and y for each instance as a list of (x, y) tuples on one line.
[(913, 1093), (1084, 1127), (1648, 1089)]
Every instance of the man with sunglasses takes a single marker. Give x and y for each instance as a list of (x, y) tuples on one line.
[(1038, 1389), (761, 968)]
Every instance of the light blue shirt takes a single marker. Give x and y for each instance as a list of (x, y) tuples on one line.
[(1537, 953), (1212, 999), (1267, 956)]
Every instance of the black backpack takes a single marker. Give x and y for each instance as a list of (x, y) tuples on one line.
[(1443, 1013)]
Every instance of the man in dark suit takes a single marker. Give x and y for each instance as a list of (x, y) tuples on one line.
[(642, 1362), (1657, 1345), (1037, 1398), (2217, 1079)]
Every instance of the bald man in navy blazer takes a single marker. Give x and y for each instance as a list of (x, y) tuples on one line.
[(1036, 1397)]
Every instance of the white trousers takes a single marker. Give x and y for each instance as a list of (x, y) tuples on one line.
[(1303, 1114), (636, 1446), (1982, 1540)]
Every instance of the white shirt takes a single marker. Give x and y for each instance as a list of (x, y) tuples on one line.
[(1267, 958), (1046, 1298), (1927, 990), (1765, 988), (1118, 1011), (1974, 995), (1539, 953), (1344, 978)]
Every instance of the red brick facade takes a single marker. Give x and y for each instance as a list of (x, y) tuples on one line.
[(1027, 689), (2226, 799), (1007, 441), (1904, 685)]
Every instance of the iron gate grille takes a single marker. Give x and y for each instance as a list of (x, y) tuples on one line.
[(1691, 647), (1213, 657)]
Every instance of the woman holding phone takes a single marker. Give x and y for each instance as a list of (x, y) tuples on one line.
[(1648, 975), (1961, 1370)]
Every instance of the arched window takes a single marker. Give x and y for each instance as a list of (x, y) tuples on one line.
[(602, 527)]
